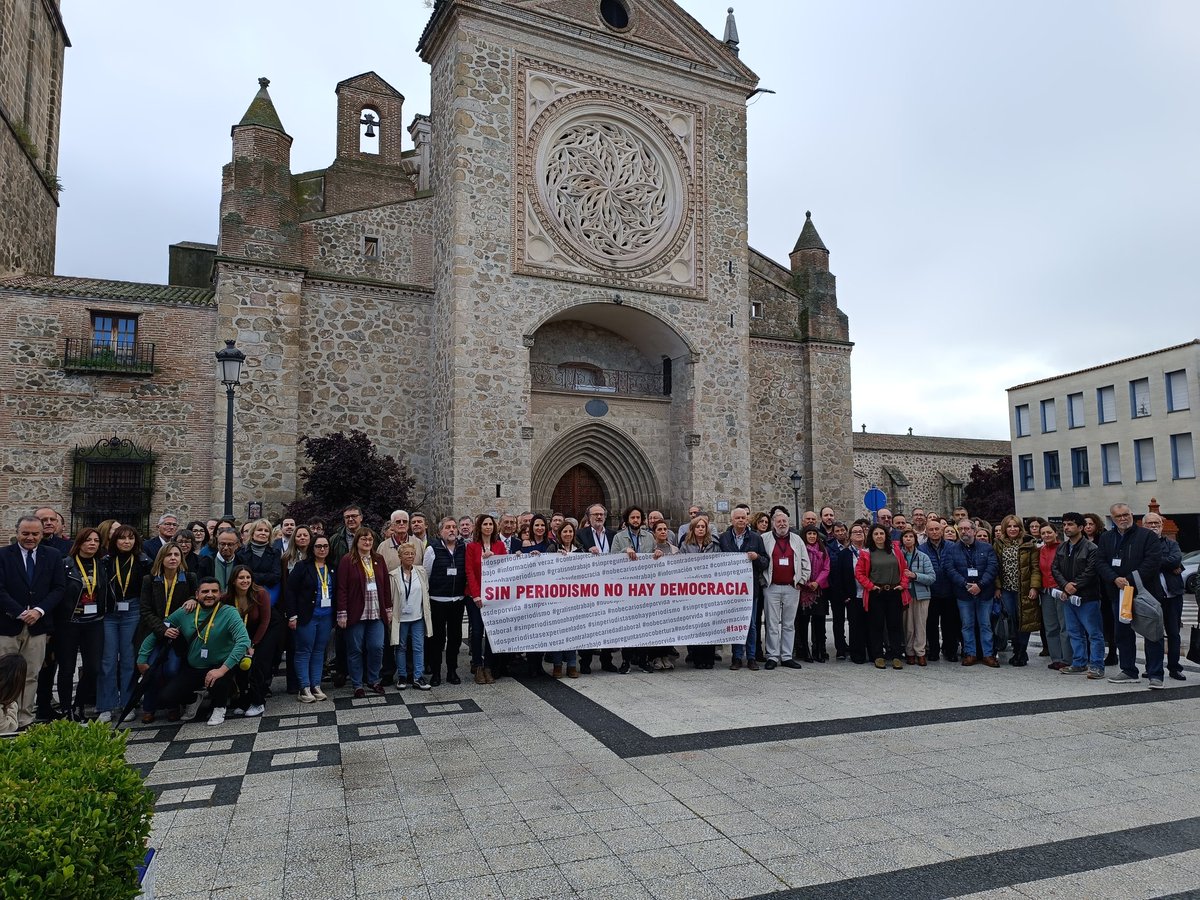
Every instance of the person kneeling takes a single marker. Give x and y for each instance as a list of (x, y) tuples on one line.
[(217, 642)]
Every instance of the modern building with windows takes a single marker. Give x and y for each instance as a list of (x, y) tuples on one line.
[(1125, 430)]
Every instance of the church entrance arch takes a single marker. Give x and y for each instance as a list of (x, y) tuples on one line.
[(611, 460), (578, 489)]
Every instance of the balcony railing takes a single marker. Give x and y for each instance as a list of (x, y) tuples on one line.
[(87, 355), (596, 381)]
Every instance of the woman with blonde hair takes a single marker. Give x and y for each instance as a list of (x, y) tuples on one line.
[(168, 587), (1019, 585)]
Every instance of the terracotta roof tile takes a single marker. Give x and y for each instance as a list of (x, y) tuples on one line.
[(921, 443), (103, 289)]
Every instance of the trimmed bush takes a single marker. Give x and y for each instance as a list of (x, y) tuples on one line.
[(74, 816)]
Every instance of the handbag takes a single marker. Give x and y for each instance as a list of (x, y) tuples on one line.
[(1193, 653), (1147, 613)]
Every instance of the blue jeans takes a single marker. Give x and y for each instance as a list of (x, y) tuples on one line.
[(563, 657), (1127, 649), (364, 638), (310, 641), (750, 647), (976, 612), (164, 650), (410, 633), (1012, 608), (116, 663), (1085, 624)]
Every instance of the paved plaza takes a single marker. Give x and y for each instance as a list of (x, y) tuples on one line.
[(834, 781)]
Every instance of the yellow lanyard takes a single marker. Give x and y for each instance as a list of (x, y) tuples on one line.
[(169, 590), (211, 619), (124, 585), (323, 575), (89, 584), (368, 567)]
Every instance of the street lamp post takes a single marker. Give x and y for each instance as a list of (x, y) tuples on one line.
[(229, 363), (797, 483)]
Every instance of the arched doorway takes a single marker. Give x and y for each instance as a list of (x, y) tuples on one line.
[(578, 489), (614, 463)]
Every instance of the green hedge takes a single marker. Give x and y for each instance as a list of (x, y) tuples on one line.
[(74, 816)]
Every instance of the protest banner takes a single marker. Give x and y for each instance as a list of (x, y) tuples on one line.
[(556, 601)]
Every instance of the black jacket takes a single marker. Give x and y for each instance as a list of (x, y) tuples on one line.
[(303, 587), (72, 607), (587, 538), (752, 542), (1139, 549), (18, 595), (265, 566), (1077, 563), (1172, 565)]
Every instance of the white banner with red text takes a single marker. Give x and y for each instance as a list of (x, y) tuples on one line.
[(555, 601)]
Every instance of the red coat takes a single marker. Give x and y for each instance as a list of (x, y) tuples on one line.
[(474, 557), (352, 588), (862, 572)]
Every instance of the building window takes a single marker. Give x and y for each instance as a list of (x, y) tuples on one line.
[(1110, 463), (1106, 404), (1053, 476), (1183, 461), (1177, 391), (614, 14), (1049, 422), (1143, 460), (1139, 398), (112, 480), (114, 332), (1023, 420), (1079, 467), (756, 309), (371, 247), (1075, 411), (1025, 471)]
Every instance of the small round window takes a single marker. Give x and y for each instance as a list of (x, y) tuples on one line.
[(614, 13)]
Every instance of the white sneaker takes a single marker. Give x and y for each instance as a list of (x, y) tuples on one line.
[(255, 711), (132, 715), (306, 696), (318, 693), (190, 710), (105, 717), (217, 717)]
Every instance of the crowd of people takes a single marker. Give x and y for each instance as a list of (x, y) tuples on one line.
[(199, 620)]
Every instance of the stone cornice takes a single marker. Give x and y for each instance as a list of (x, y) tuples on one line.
[(256, 268), (374, 288), (781, 343)]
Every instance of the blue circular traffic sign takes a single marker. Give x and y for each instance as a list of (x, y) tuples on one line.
[(875, 499)]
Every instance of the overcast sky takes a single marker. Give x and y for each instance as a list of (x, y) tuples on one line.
[(1008, 190)]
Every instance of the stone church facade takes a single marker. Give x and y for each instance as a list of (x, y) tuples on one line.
[(547, 299)]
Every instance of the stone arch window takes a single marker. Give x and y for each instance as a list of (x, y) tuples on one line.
[(369, 130)]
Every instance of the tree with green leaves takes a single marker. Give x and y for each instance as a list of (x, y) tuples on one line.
[(347, 469)]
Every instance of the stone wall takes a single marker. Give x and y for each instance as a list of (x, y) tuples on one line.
[(921, 468), (779, 402), (46, 412), (334, 244), (28, 211), (364, 355), (32, 45), (581, 342), (260, 307)]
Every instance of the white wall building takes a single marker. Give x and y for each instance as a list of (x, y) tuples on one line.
[(1122, 431)]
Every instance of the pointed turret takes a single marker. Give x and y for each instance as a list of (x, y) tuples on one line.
[(261, 110), (731, 35), (810, 251), (259, 216)]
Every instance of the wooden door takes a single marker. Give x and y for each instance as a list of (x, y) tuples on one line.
[(578, 489)]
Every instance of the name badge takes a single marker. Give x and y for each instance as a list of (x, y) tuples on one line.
[(453, 570), (122, 606), (785, 561), (1116, 561), (324, 601), (204, 653), (972, 573), (90, 609)]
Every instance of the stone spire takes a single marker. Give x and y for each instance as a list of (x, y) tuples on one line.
[(731, 35), (810, 251), (262, 111)]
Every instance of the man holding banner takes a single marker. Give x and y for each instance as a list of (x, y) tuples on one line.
[(741, 538)]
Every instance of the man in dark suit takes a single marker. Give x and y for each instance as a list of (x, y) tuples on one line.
[(168, 524), (595, 537), (52, 530), (741, 538), (32, 582), (1120, 552)]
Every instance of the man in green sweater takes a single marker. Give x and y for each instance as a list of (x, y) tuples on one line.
[(217, 642)]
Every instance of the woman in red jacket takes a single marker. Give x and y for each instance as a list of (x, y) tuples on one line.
[(485, 543), (364, 607), (254, 606), (884, 576)]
